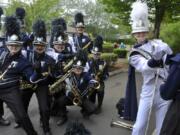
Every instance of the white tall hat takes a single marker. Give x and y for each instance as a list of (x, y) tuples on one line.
[(139, 17)]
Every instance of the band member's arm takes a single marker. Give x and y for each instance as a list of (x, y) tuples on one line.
[(91, 81), (72, 43), (28, 72), (169, 89), (105, 71), (141, 63)]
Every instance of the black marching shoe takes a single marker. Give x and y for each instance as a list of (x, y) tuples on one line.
[(4, 122), (62, 120)]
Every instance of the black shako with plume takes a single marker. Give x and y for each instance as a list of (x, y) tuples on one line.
[(76, 128), (58, 29), (20, 13), (98, 42), (12, 29), (58, 26), (39, 30), (12, 26), (81, 56), (79, 20)]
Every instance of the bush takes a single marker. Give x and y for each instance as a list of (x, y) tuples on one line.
[(129, 41), (120, 52), (170, 34), (110, 58), (108, 47)]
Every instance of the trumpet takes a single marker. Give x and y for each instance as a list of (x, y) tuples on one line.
[(121, 124)]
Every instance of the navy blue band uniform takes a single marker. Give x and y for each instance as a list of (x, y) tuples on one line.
[(43, 66), (170, 91), (98, 69), (13, 66), (77, 90), (79, 39)]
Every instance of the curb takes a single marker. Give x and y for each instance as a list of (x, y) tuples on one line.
[(113, 73)]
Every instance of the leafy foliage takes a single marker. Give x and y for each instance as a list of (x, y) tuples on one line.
[(120, 52), (110, 58), (158, 10), (170, 33), (108, 47), (44, 9)]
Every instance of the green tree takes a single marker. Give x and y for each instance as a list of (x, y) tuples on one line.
[(158, 8), (170, 33), (44, 9), (97, 20)]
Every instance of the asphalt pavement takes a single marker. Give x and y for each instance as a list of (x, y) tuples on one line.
[(97, 124)]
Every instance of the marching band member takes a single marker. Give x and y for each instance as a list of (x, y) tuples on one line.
[(13, 66), (43, 64), (98, 70), (62, 54), (77, 85), (61, 50), (79, 39), (3, 121), (20, 15), (147, 57), (170, 91)]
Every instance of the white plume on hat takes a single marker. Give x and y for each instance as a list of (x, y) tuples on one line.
[(139, 17)]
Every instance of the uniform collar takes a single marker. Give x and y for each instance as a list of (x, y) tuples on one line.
[(39, 56), (140, 44), (15, 56)]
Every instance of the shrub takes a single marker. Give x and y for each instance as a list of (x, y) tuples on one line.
[(108, 47), (170, 34), (110, 58), (120, 52)]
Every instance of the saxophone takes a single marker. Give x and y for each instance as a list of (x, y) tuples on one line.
[(59, 85), (26, 85), (78, 95), (77, 100), (100, 72)]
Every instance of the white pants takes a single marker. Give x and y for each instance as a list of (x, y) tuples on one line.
[(160, 106)]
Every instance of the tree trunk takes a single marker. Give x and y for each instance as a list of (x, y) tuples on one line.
[(159, 14)]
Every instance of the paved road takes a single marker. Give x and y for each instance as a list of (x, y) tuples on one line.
[(98, 124)]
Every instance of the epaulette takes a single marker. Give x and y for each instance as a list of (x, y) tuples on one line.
[(138, 51)]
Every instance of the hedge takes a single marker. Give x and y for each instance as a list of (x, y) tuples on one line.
[(120, 52), (110, 58), (108, 47)]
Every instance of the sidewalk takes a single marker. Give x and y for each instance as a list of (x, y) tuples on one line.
[(120, 66)]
